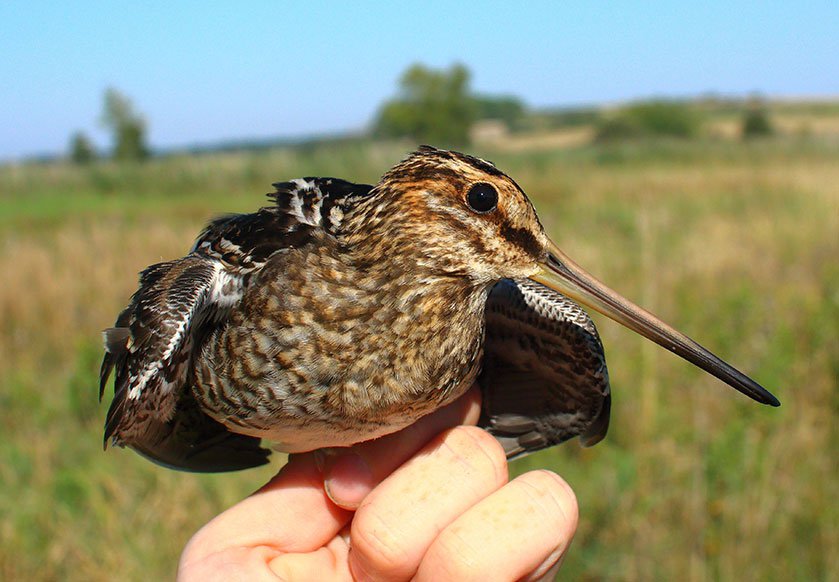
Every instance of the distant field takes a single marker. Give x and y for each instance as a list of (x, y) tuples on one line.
[(735, 244)]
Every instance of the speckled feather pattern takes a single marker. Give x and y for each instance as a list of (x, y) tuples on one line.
[(343, 312)]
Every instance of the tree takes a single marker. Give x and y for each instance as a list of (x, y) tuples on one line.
[(81, 149), (127, 127), (433, 106)]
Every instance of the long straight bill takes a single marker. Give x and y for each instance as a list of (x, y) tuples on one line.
[(564, 276)]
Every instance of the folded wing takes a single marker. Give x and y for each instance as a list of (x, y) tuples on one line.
[(152, 347), (544, 377)]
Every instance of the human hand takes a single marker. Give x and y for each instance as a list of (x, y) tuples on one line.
[(425, 502)]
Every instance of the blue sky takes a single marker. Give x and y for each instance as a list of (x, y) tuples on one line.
[(208, 71)]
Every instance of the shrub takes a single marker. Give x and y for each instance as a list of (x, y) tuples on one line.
[(618, 127), (650, 119), (756, 122), (81, 149)]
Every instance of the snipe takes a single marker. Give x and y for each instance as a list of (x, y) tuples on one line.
[(344, 312)]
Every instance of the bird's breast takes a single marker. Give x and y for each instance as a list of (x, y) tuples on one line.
[(321, 355)]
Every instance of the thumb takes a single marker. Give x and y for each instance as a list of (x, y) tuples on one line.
[(352, 473)]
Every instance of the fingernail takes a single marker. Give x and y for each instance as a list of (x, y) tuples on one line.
[(548, 569), (347, 480)]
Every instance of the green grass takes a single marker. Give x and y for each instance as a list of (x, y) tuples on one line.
[(735, 244)]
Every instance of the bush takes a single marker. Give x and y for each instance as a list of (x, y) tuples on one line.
[(756, 123), (619, 127), (504, 108), (81, 149), (650, 119)]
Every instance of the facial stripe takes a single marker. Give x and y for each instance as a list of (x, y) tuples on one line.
[(522, 238)]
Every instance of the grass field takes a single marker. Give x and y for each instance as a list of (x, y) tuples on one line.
[(735, 244)]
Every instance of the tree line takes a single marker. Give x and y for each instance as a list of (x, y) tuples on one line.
[(439, 106)]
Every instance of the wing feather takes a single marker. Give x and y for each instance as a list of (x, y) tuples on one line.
[(544, 377), (152, 346)]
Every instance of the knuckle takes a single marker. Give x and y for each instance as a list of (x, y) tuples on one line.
[(377, 544), (457, 559), (478, 449)]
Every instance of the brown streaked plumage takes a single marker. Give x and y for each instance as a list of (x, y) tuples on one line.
[(344, 312)]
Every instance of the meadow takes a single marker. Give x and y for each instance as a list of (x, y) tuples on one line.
[(737, 244)]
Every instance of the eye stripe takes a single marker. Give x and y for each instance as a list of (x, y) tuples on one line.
[(522, 238)]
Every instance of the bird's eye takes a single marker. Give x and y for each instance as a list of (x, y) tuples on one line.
[(482, 198)]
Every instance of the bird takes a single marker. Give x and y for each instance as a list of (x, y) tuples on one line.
[(342, 312)]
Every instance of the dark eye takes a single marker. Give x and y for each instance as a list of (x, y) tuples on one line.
[(482, 198)]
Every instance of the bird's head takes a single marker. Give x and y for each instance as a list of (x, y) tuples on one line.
[(461, 216)]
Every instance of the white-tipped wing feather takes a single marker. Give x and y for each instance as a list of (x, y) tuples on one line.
[(153, 345), (544, 378)]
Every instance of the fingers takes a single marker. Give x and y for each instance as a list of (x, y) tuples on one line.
[(520, 531), (289, 514), (350, 476), (293, 513), (400, 519)]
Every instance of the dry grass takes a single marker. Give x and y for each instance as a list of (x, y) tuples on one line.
[(571, 137), (737, 247)]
